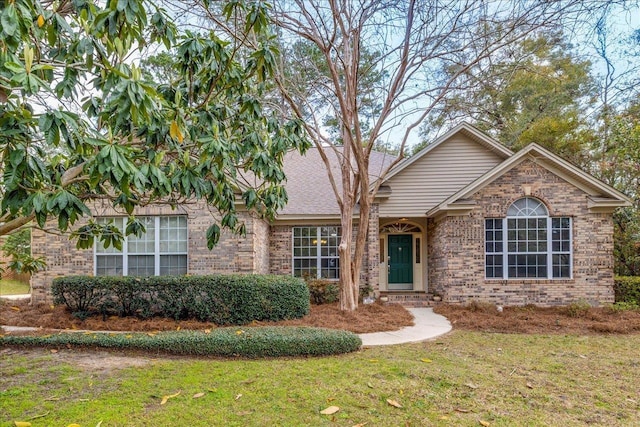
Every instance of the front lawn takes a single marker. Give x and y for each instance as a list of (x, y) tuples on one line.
[(464, 378), (13, 287)]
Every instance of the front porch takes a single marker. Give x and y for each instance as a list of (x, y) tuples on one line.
[(402, 271)]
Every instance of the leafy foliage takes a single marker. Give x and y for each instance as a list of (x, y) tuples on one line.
[(532, 91), (254, 342), (79, 121), (17, 247), (627, 289), (222, 299), (323, 291)]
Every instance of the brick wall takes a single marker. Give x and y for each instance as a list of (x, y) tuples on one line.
[(456, 245), (233, 254), (281, 250)]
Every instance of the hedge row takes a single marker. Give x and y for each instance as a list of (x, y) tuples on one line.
[(627, 289), (222, 299), (254, 342)]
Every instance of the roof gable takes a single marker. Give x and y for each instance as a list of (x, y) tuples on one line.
[(466, 129), (601, 195)]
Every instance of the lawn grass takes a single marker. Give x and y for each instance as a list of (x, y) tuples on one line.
[(13, 287), (460, 379)]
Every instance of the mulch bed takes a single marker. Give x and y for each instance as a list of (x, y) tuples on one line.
[(367, 318), (537, 320)]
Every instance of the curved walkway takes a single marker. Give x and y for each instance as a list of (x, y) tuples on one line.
[(427, 325)]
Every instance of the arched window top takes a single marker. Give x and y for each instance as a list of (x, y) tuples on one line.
[(527, 207), (400, 227)]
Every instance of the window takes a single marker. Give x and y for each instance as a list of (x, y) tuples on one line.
[(315, 252), (530, 250), (160, 251)]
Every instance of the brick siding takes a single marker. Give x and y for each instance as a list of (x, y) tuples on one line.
[(233, 254), (456, 246)]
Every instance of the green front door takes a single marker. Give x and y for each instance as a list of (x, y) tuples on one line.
[(400, 261)]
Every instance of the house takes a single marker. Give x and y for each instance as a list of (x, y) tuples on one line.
[(464, 219)]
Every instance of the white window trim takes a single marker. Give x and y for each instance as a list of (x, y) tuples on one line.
[(549, 252), (124, 253), (318, 256)]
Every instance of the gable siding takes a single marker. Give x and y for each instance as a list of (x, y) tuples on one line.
[(440, 173)]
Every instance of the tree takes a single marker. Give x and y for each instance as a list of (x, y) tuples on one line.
[(532, 91), (617, 163), (413, 42), (79, 122)]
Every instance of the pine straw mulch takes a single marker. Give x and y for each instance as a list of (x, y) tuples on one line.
[(537, 320), (367, 318)]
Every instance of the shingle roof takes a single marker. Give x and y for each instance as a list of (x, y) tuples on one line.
[(308, 186)]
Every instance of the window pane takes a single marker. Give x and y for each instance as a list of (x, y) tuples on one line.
[(527, 266), (141, 265), (173, 234), (173, 265), (109, 265), (315, 251), (144, 244)]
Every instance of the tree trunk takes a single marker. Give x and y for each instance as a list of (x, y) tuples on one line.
[(348, 277)]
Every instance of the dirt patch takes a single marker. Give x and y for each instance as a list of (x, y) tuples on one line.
[(367, 318), (537, 320)]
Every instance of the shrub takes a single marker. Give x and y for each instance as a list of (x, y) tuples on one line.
[(623, 306), (481, 306), (627, 289), (578, 308), (323, 291), (224, 342), (222, 299)]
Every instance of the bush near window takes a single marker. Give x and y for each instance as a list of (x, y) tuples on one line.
[(222, 299), (627, 289), (223, 342), (323, 291)]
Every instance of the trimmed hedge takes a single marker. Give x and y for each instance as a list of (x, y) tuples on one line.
[(627, 289), (253, 342), (221, 299)]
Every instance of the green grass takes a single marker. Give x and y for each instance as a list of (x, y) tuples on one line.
[(460, 379), (13, 287)]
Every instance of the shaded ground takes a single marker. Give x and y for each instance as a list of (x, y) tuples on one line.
[(367, 318), (535, 320)]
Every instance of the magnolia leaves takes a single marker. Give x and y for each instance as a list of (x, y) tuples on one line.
[(166, 398), (330, 410)]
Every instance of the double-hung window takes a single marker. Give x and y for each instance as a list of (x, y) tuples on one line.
[(315, 252), (160, 251), (528, 243)]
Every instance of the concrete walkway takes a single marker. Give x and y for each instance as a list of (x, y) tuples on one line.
[(14, 297), (427, 325)]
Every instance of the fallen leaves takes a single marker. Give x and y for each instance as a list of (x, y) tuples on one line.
[(394, 403), (330, 410), (22, 424), (198, 395), (426, 360), (166, 398), (484, 423)]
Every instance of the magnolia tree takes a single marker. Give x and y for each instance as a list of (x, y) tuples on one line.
[(419, 52), (79, 122)]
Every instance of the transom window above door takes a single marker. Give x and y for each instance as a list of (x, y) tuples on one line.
[(528, 243)]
